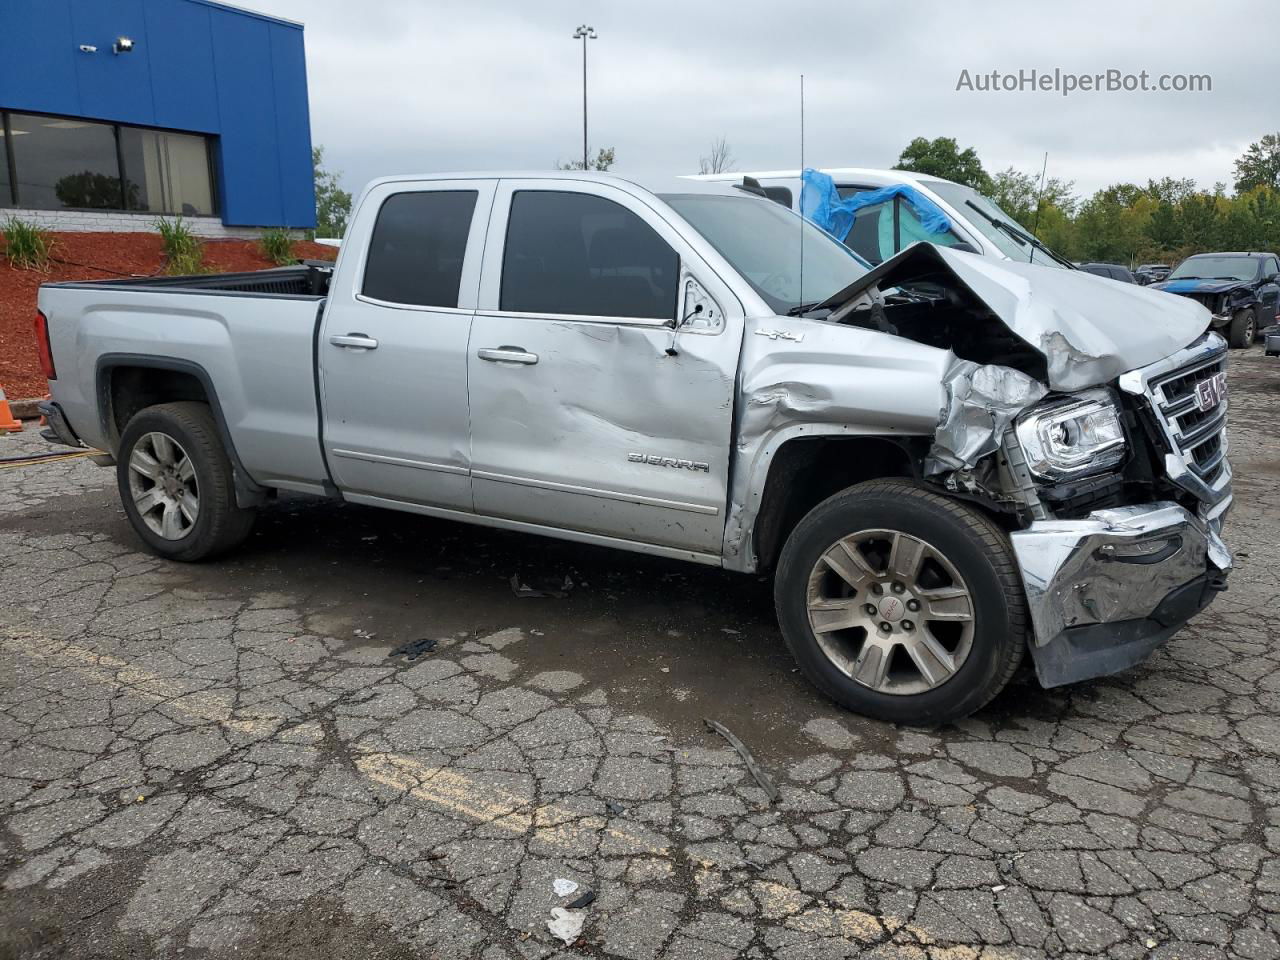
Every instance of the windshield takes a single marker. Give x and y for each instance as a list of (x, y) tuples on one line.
[(761, 239), (963, 200), (1215, 268)]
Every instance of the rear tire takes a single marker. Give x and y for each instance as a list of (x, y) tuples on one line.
[(1244, 329), (957, 632), (176, 483)]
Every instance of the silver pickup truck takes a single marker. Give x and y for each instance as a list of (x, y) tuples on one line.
[(944, 461)]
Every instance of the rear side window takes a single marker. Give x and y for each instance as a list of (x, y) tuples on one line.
[(419, 240), (577, 254)]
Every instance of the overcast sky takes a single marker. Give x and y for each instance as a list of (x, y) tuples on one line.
[(405, 86)]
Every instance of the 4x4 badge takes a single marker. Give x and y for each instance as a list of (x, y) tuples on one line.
[(780, 335)]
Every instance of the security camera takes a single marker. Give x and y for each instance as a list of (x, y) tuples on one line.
[(122, 45)]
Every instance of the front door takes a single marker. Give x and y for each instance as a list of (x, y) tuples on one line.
[(580, 417), (393, 351)]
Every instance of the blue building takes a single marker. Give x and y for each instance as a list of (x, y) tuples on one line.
[(115, 112)]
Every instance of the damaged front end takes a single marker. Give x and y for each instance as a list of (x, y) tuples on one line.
[(1076, 408)]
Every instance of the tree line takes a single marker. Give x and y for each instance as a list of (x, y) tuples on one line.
[(1160, 221)]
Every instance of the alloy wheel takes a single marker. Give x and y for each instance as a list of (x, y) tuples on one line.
[(890, 611)]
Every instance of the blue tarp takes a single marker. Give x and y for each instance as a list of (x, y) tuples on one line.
[(821, 203)]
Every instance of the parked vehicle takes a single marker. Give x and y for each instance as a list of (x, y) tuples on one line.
[(1151, 273), (1112, 271), (943, 461), (1271, 340), (1241, 290), (890, 225)]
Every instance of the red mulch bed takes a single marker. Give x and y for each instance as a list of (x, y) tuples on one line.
[(99, 256)]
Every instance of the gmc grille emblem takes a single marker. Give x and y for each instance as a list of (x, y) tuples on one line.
[(1211, 392)]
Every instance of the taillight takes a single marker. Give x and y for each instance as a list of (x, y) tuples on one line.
[(42, 347)]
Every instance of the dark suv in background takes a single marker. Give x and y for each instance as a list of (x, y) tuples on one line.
[(1151, 273), (1241, 290), (1113, 271)]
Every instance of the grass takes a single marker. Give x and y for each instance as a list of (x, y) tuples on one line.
[(25, 246), (277, 246), (183, 251)]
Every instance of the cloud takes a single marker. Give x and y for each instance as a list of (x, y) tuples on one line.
[(400, 86)]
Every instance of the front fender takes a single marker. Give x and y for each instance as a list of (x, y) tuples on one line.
[(806, 378)]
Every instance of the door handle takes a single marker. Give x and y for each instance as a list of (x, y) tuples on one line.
[(506, 354), (354, 341)]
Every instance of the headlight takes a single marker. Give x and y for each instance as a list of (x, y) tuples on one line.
[(1074, 438)]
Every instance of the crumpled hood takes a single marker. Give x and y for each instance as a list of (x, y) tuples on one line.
[(1089, 329), (1198, 286)]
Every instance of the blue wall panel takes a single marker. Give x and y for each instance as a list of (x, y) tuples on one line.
[(185, 92), (196, 66)]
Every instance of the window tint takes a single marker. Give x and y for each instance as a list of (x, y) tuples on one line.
[(65, 163), (166, 172), (415, 255), (574, 253), (911, 229)]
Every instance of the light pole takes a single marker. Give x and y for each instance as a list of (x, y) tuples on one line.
[(584, 33)]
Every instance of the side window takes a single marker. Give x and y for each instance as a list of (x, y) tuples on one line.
[(910, 229), (871, 235), (415, 254), (578, 254), (1273, 267)]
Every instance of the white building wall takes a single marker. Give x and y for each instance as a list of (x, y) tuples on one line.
[(110, 221)]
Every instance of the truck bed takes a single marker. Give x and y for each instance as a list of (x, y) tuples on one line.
[(308, 280)]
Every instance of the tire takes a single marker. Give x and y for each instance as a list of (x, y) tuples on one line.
[(1243, 330), (183, 508), (962, 551)]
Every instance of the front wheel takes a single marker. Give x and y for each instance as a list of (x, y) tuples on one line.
[(1244, 329), (901, 604), (176, 483)]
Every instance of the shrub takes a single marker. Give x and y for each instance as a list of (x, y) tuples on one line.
[(183, 251), (25, 246), (277, 246)]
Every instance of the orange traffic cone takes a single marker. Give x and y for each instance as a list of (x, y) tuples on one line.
[(7, 422)]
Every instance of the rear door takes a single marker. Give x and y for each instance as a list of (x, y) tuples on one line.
[(1269, 292), (580, 418), (393, 351)]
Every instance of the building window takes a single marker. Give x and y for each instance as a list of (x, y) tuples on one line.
[(62, 163), (166, 172)]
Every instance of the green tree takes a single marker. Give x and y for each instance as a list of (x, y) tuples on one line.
[(942, 157), (602, 161), (1020, 195), (333, 204), (1259, 166)]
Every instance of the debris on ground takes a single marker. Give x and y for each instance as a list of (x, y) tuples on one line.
[(415, 648), (526, 592), (564, 887), (363, 634), (615, 809), (762, 778), (586, 898), (566, 924)]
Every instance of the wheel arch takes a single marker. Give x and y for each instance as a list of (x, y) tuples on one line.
[(805, 470), (161, 380)]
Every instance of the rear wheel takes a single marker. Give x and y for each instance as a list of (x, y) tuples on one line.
[(176, 483), (901, 604), (1244, 329)]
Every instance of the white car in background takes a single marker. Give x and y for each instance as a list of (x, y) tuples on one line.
[(884, 229)]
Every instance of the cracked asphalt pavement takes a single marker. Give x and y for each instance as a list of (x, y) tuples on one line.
[(228, 759)]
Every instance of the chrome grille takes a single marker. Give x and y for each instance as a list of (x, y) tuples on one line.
[(1197, 433), (1187, 396)]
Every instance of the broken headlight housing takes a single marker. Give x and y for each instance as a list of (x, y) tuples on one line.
[(1076, 437)]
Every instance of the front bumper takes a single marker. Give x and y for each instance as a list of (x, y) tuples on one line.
[(1105, 591)]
